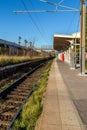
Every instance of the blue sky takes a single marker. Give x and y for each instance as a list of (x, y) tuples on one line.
[(38, 27)]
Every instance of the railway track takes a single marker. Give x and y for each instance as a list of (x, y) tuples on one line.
[(7, 81), (9, 74), (13, 97), (7, 71)]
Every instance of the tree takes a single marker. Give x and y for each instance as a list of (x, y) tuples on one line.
[(19, 40), (25, 41)]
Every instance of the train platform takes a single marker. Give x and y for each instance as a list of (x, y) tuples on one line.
[(64, 103)]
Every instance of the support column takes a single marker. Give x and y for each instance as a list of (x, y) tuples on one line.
[(83, 16)]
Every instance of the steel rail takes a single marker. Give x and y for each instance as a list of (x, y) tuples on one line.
[(4, 92), (11, 69), (11, 88), (18, 64), (18, 112)]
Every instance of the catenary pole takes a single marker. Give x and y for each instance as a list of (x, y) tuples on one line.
[(82, 42), (82, 27)]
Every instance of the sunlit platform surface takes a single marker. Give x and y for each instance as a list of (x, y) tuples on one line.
[(65, 101)]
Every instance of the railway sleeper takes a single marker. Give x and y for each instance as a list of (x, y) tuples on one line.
[(17, 98), (6, 117), (18, 94), (18, 89), (13, 103), (14, 98), (27, 87), (4, 125), (6, 108), (21, 91)]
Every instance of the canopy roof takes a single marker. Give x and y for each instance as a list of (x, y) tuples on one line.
[(63, 41)]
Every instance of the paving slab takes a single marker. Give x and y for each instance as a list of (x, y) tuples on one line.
[(59, 111), (77, 88), (51, 127)]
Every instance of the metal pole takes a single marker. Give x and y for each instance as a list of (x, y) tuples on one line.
[(75, 53), (83, 15)]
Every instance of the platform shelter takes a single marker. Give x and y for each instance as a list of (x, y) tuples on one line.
[(68, 47)]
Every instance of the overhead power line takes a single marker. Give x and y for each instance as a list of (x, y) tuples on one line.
[(45, 34), (42, 11), (73, 19), (58, 4), (32, 19), (67, 8)]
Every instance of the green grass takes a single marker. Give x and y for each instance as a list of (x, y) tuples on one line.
[(33, 107), (9, 60), (86, 64), (6, 85)]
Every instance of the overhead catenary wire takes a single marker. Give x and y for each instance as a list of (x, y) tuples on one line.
[(73, 19), (67, 8), (77, 27), (59, 4), (30, 1), (42, 11), (33, 21), (52, 2)]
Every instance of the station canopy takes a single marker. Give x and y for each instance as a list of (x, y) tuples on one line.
[(62, 41)]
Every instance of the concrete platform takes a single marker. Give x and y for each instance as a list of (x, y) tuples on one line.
[(59, 111)]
